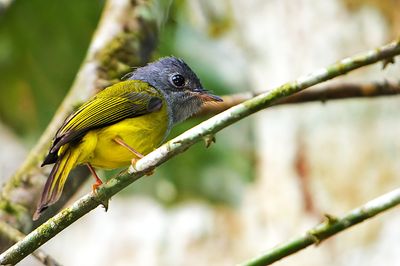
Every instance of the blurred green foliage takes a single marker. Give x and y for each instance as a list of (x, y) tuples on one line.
[(42, 44)]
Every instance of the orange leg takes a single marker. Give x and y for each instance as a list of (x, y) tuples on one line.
[(135, 152), (98, 180)]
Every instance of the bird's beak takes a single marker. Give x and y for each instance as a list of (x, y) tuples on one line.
[(206, 96)]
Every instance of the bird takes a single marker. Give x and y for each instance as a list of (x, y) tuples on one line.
[(122, 123)]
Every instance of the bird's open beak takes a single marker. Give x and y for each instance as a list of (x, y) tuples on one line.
[(206, 96)]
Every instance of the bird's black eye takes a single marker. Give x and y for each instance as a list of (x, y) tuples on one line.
[(178, 80)]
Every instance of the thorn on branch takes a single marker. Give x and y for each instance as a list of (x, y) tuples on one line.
[(387, 62), (314, 237), (315, 233), (330, 219), (209, 139), (102, 202)]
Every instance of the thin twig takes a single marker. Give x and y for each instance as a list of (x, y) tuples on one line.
[(181, 143), (328, 228), (325, 93)]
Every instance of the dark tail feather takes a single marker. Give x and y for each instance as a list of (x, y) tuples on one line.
[(55, 182), (52, 157)]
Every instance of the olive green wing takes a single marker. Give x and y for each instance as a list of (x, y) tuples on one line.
[(123, 100)]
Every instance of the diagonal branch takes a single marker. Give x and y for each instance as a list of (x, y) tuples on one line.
[(325, 93), (327, 229), (15, 235), (181, 143)]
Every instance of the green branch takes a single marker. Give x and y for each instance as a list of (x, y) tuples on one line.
[(181, 143), (14, 235), (327, 229), (325, 93)]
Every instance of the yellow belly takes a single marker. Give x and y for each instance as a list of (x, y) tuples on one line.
[(143, 133)]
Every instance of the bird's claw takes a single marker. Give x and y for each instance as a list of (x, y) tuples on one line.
[(103, 203)]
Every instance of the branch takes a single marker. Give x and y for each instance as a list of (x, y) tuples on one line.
[(328, 228), (181, 143), (126, 36), (15, 235), (324, 93)]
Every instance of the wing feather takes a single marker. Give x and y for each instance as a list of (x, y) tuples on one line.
[(123, 100)]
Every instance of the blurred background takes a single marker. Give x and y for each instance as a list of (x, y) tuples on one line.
[(269, 177)]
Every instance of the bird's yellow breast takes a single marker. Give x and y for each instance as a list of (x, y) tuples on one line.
[(143, 133)]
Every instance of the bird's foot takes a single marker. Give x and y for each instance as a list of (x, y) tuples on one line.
[(96, 186), (147, 173)]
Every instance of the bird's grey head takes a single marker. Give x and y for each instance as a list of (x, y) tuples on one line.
[(179, 85)]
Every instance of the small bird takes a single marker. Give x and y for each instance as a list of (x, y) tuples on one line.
[(123, 122)]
